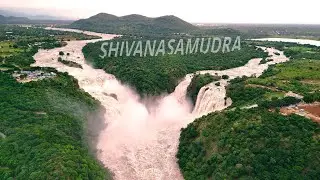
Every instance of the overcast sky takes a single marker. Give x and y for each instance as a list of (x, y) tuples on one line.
[(210, 11)]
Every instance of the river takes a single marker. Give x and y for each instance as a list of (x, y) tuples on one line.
[(141, 137), (298, 41)]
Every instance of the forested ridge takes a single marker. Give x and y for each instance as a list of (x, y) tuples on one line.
[(153, 75), (250, 144), (13, 20), (44, 124), (133, 24)]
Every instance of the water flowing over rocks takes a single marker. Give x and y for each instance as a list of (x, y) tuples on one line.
[(213, 98), (142, 136)]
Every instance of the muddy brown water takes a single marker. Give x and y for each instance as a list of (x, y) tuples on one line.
[(141, 137)]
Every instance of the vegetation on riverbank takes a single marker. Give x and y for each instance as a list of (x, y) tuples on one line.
[(300, 75), (158, 74), (258, 143), (45, 124), (35, 34), (197, 82), (250, 144), (69, 63)]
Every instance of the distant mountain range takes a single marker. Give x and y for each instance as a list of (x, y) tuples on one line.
[(133, 24), (13, 20), (31, 14), (24, 20)]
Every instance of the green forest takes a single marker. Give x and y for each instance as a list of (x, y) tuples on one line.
[(34, 33), (159, 74), (133, 24), (250, 144), (45, 125), (259, 143)]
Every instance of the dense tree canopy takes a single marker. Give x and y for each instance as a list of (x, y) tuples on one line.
[(44, 127), (250, 144), (153, 75), (44, 124)]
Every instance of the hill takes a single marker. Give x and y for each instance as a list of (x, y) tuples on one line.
[(31, 13), (13, 20), (25, 20), (249, 144), (132, 24)]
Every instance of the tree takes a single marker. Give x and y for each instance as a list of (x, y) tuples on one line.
[(225, 77)]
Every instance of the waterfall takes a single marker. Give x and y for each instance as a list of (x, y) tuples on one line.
[(141, 137)]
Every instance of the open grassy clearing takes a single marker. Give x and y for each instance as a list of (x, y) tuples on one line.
[(293, 76), (7, 48)]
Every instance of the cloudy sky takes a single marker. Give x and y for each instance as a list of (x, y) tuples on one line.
[(210, 11)]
